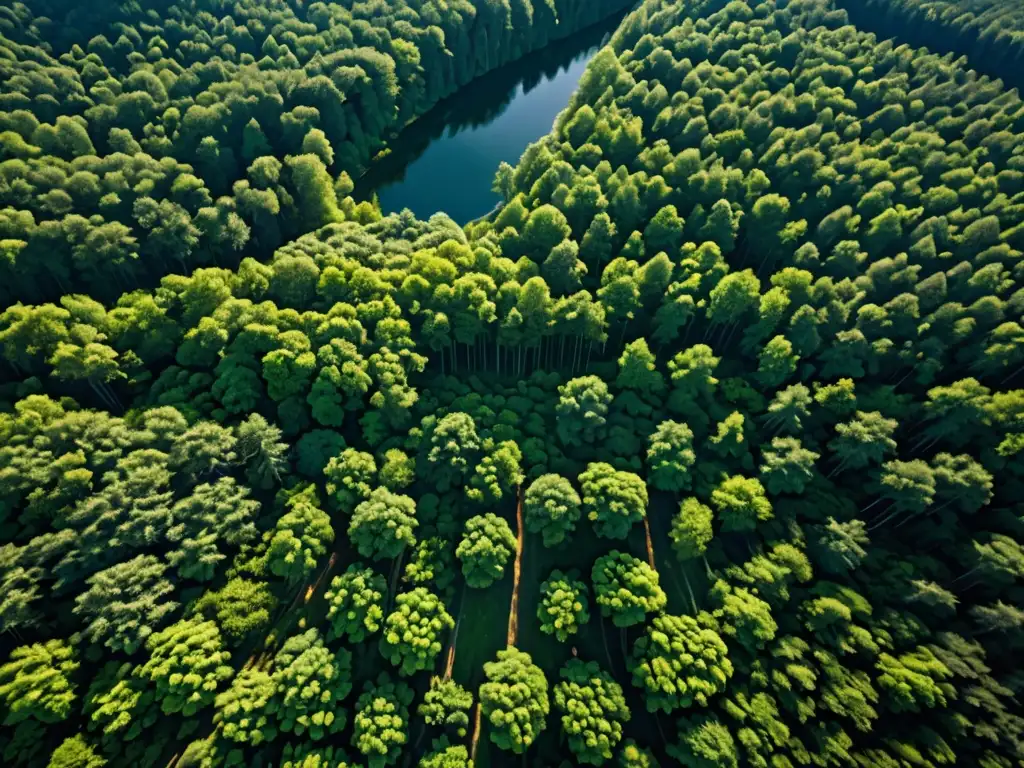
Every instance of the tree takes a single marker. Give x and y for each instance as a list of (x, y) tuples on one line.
[(680, 661), (486, 546), (259, 447), (632, 755), (454, 446), (381, 721), (693, 384), (19, 589), (312, 681), (562, 269), (204, 449), (315, 201), (551, 507), (733, 297), (638, 370), (670, 456), (355, 603), (397, 471), (75, 752), (563, 606), (206, 523), (125, 603), (446, 705), (301, 535), (593, 709), (914, 680), (239, 607), (740, 503), (383, 525), (582, 410), (412, 633), (311, 755), (704, 742), (497, 473), (864, 440), (432, 564), (445, 755), (612, 499), (786, 466), (743, 616), (777, 362), (350, 478), (245, 710), (839, 547), (514, 700), (626, 588), (36, 682), (691, 530), (187, 663)]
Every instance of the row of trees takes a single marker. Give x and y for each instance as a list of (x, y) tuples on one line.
[(989, 32)]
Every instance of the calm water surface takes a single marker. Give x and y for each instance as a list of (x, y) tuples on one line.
[(447, 159)]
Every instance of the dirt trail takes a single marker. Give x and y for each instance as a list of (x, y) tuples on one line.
[(476, 735), (650, 544), (450, 665), (513, 613)]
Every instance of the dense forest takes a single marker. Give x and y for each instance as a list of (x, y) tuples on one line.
[(989, 32), (706, 449), (153, 140)]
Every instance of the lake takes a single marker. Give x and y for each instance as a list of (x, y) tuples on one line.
[(446, 160)]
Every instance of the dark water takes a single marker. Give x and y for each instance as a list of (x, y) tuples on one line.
[(447, 159)]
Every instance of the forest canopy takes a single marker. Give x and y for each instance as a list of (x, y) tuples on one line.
[(705, 448)]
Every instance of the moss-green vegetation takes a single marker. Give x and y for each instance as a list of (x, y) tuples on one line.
[(742, 352)]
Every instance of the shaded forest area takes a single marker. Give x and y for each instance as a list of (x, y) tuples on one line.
[(706, 449)]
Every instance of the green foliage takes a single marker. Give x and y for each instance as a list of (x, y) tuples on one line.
[(125, 603), (350, 478), (355, 603), (312, 681), (705, 742), (514, 700), (626, 588), (914, 681), (593, 709), (670, 456), (454, 446), (485, 549), (551, 507), (445, 755), (446, 705), (310, 755), (496, 474), (582, 410), (412, 633), (680, 661), (36, 682), (381, 721), (383, 525), (186, 665), (768, 260), (239, 607), (245, 710), (563, 606), (75, 752), (740, 503), (301, 536), (631, 755), (612, 499), (691, 530)]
